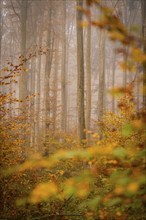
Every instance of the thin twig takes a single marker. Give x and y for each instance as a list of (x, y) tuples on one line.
[(15, 11)]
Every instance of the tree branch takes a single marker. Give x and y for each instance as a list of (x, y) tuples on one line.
[(15, 10)]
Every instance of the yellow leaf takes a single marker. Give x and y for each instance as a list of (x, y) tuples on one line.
[(116, 35), (95, 135), (88, 131), (43, 191), (82, 189), (133, 187), (127, 66), (138, 55), (119, 190), (84, 24), (118, 213), (61, 172), (114, 162), (138, 123)]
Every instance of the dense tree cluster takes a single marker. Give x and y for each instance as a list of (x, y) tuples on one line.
[(72, 109)]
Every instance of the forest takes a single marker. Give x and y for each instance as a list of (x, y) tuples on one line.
[(72, 109)]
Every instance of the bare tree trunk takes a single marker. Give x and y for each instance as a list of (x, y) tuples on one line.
[(113, 80), (143, 9), (125, 72), (88, 79), (33, 142), (55, 86), (101, 75), (0, 33), (23, 91), (38, 97), (23, 77), (63, 74), (32, 106), (80, 67), (138, 94), (48, 67), (125, 21)]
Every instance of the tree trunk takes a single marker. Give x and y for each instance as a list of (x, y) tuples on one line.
[(101, 75), (143, 9), (23, 77), (63, 74), (0, 33), (88, 79), (55, 86), (113, 80), (49, 57), (38, 97), (80, 67)]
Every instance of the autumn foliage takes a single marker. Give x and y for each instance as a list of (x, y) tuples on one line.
[(100, 179)]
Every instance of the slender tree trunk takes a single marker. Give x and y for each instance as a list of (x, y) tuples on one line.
[(48, 67), (88, 78), (63, 74), (32, 107), (38, 97), (113, 80), (80, 67), (23, 91), (143, 9), (138, 94), (67, 87), (55, 86), (11, 84), (33, 142), (101, 75), (125, 21), (125, 72), (0, 33), (23, 77)]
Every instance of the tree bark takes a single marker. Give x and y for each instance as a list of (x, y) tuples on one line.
[(88, 79), (48, 67), (38, 93), (80, 68), (113, 80), (55, 86), (63, 74), (143, 10), (23, 77), (0, 32), (101, 75)]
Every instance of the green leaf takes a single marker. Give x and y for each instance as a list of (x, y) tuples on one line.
[(94, 202), (21, 202), (127, 129), (120, 153), (113, 202)]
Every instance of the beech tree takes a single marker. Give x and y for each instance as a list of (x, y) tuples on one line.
[(63, 63), (0, 30), (63, 74), (88, 78), (48, 66), (23, 24), (143, 9), (80, 68), (101, 87)]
